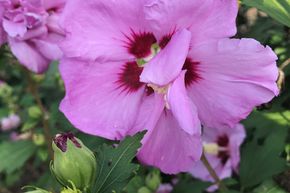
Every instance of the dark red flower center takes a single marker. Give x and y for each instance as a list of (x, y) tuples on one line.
[(165, 40), (140, 44), (129, 77), (223, 141), (191, 75), (191, 66)]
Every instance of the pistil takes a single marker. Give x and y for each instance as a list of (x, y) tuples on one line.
[(213, 148)]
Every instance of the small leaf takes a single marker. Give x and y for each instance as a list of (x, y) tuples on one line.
[(29, 124), (115, 170), (260, 157), (268, 186), (34, 190), (135, 184), (278, 9), (190, 186), (14, 154), (34, 112)]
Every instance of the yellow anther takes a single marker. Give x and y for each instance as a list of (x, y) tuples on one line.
[(159, 89), (211, 148)]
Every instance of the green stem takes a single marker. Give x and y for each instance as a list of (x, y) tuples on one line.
[(33, 88), (213, 174)]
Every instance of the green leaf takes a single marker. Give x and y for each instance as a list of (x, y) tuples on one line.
[(34, 112), (189, 186), (13, 177), (260, 158), (115, 169), (268, 186), (29, 124), (278, 9), (47, 181), (34, 190), (135, 184), (259, 163), (14, 154)]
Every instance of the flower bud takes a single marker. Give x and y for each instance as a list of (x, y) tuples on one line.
[(144, 189), (73, 162), (71, 190), (38, 139), (153, 180)]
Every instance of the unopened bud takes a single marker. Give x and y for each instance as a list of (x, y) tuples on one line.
[(153, 180), (73, 162), (38, 139), (71, 190), (144, 189)]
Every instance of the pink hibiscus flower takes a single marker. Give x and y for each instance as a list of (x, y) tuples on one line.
[(162, 66), (222, 149), (31, 29)]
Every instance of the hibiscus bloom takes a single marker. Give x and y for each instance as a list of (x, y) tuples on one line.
[(222, 150), (31, 29), (162, 66)]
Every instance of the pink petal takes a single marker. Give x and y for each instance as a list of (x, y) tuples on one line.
[(53, 4), (236, 75), (94, 101), (98, 29), (53, 24), (206, 19), (170, 148), (182, 107), (2, 36), (34, 33), (237, 137), (151, 108), (2, 32), (212, 188), (48, 49), (164, 188), (29, 56), (167, 64), (199, 170), (14, 29)]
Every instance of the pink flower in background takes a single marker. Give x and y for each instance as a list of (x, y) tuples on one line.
[(164, 188), (164, 66), (31, 29), (11, 122), (222, 149), (14, 136)]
